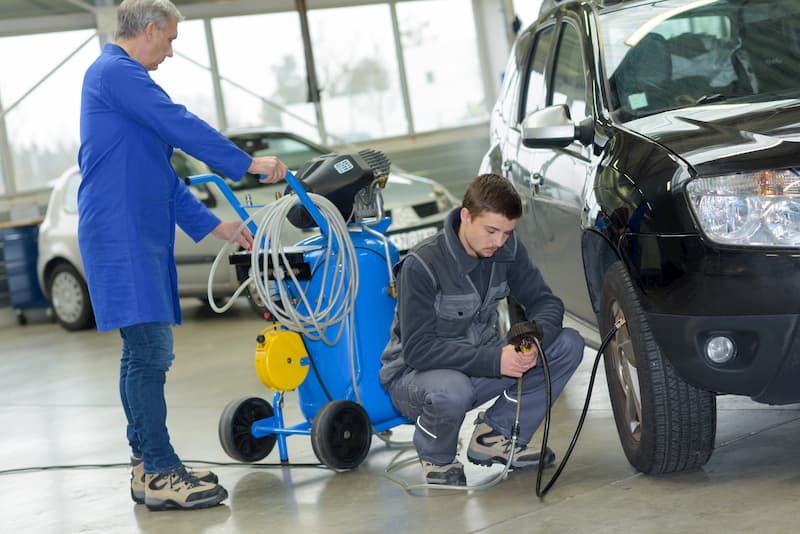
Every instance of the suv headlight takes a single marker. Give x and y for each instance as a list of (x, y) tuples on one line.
[(757, 209)]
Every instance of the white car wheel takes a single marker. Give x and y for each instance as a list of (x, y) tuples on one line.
[(69, 298)]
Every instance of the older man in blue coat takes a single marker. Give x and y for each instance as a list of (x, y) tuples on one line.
[(129, 202)]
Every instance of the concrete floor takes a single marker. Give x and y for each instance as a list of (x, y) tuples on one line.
[(59, 407)]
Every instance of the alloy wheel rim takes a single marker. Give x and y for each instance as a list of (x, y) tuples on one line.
[(624, 364)]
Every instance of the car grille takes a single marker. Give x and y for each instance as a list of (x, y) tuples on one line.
[(427, 209)]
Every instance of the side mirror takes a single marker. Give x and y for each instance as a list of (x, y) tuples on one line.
[(552, 127)]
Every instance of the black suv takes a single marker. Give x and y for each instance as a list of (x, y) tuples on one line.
[(656, 147)]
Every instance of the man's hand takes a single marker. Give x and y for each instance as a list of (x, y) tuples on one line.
[(226, 229), (515, 364), (270, 168)]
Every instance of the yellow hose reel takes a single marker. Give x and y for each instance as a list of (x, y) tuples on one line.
[(281, 358)]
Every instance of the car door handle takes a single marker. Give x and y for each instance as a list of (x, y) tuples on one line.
[(534, 180), (505, 166)]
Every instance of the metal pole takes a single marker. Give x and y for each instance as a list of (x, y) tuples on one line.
[(483, 36), (6, 162), (311, 71), (401, 65), (222, 117)]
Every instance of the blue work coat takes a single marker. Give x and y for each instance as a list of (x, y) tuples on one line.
[(130, 197)]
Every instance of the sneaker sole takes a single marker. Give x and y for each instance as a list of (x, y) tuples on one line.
[(168, 504), (488, 461), (459, 483), (137, 497)]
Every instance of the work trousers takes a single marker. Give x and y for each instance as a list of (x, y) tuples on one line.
[(439, 399), (146, 358)]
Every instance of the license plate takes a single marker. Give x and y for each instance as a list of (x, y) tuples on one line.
[(406, 240)]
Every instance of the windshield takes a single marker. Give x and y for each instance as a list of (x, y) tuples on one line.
[(292, 152), (678, 53)]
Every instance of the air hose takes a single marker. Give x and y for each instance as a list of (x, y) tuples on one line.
[(494, 480), (548, 394)]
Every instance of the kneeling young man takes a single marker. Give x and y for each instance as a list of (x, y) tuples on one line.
[(445, 356)]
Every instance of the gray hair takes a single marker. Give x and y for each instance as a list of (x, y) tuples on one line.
[(134, 15)]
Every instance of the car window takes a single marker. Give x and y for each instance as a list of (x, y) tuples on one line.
[(290, 151), (535, 92), (569, 78), (293, 152), (673, 54), (185, 166), (509, 90), (70, 204)]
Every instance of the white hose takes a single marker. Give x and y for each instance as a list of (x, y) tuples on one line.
[(223, 252), (335, 297)]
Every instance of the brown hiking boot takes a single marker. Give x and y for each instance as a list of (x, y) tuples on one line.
[(450, 474), (137, 478), (488, 447), (182, 490)]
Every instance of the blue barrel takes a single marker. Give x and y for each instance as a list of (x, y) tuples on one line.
[(20, 252)]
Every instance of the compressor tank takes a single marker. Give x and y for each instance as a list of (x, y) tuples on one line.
[(374, 311)]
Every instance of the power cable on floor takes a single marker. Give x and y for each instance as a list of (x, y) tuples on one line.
[(34, 469)]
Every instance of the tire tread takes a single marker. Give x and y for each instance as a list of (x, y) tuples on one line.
[(678, 419)]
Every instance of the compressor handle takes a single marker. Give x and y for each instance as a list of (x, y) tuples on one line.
[(306, 201), (225, 189), (291, 179)]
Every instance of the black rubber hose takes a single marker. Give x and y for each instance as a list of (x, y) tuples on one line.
[(548, 394)]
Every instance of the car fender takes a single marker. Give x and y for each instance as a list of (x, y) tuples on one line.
[(601, 230)]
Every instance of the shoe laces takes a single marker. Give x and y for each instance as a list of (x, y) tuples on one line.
[(183, 476)]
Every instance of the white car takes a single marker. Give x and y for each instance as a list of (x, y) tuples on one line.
[(417, 206)]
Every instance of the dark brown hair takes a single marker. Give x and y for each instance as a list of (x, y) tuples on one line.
[(493, 193)]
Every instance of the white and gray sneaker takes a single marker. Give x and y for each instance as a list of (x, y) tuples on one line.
[(488, 447)]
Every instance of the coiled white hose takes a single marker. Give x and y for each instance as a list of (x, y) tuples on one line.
[(334, 299)]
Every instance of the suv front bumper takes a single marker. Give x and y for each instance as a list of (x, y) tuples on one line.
[(766, 365), (751, 296)]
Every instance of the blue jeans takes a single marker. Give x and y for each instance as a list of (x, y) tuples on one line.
[(439, 399), (146, 358)]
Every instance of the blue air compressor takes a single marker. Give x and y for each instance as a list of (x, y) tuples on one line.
[(330, 299)]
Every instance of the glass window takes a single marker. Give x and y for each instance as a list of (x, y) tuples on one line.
[(357, 72), (291, 151), (262, 62), (186, 76), (537, 89), (672, 54), (42, 129), (569, 79), (509, 92), (70, 204), (442, 66)]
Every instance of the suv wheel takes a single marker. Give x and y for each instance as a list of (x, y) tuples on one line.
[(69, 298), (665, 424)]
